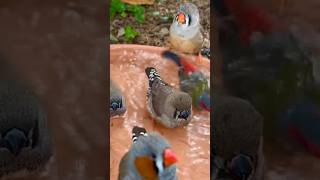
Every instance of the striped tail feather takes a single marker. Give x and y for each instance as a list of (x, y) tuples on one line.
[(138, 131), (152, 74)]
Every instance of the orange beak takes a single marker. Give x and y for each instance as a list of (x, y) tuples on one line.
[(181, 18), (169, 157)]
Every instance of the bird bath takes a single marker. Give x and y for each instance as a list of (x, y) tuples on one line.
[(191, 143)]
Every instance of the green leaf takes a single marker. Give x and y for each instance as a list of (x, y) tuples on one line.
[(123, 14), (117, 6), (130, 33), (138, 12)]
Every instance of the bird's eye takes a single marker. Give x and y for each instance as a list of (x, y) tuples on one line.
[(153, 156), (116, 104), (184, 114)]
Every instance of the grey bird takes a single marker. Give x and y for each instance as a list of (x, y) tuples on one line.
[(185, 33), (149, 158), (25, 143), (117, 101), (237, 149), (167, 105)]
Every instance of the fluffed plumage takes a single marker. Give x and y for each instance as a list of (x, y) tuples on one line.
[(167, 105), (149, 157), (192, 81)]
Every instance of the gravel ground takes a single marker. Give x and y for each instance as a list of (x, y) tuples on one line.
[(158, 18)]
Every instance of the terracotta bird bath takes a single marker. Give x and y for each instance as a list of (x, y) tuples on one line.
[(191, 143)]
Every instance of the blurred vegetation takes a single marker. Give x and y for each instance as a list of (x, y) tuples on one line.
[(124, 10)]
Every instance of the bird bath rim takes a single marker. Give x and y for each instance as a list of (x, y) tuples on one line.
[(206, 61)]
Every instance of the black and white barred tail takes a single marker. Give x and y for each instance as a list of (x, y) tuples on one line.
[(152, 74), (138, 131)]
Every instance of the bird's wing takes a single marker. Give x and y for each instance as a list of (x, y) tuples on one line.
[(159, 93)]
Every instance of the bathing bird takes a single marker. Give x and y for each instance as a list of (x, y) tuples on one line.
[(149, 157), (192, 81), (117, 101), (167, 105)]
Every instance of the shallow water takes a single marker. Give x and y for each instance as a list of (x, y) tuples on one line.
[(191, 143), (58, 48)]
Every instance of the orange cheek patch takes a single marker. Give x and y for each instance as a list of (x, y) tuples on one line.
[(145, 167)]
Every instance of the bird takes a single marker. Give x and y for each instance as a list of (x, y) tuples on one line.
[(237, 149), (117, 101), (192, 81), (167, 105), (185, 34), (150, 157), (25, 138)]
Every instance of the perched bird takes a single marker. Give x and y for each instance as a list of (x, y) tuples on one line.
[(150, 157), (167, 105), (192, 81), (237, 147), (117, 101), (25, 142), (185, 34)]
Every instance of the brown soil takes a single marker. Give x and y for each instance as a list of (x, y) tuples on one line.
[(150, 30)]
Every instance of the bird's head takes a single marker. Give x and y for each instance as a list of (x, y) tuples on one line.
[(117, 106), (153, 157), (181, 103)]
